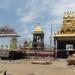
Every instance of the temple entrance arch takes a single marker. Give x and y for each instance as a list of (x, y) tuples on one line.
[(9, 32), (6, 32)]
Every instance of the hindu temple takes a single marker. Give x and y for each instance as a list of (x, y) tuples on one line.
[(64, 40)]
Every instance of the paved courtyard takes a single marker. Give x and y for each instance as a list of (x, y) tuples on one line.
[(23, 67)]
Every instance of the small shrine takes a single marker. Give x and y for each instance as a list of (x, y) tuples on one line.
[(38, 38)]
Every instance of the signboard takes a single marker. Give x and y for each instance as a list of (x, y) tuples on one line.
[(69, 46)]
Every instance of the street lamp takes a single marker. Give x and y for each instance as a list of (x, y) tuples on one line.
[(51, 37)]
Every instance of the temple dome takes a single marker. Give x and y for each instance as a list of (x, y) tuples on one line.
[(38, 28)]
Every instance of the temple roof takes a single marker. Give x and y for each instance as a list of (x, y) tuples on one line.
[(68, 27), (38, 29), (64, 35), (9, 35), (68, 14), (7, 31)]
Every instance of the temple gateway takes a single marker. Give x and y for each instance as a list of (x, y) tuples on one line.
[(64, 40)]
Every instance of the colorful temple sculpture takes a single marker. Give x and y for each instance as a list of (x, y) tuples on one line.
[(38, 38), (64, 40)]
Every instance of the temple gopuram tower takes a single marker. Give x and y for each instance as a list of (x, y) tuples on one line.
[(38, 38), (64, 40)]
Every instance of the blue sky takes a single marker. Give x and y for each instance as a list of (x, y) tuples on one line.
[(24, 15)]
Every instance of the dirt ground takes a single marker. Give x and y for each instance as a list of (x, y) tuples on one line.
[(24, 67)]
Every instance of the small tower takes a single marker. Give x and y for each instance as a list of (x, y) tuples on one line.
[(38, 38)]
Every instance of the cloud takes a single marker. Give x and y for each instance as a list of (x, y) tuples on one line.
[(33, 10), (4, 4), (28, 17)]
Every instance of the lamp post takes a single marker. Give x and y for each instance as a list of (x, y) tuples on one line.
[(51, 32), (29, 49), (51, 37)]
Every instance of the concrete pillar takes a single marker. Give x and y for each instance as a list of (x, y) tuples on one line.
[(13, 44), (55, 45)]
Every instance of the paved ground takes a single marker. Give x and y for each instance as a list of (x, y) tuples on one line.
[(23, 67)]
